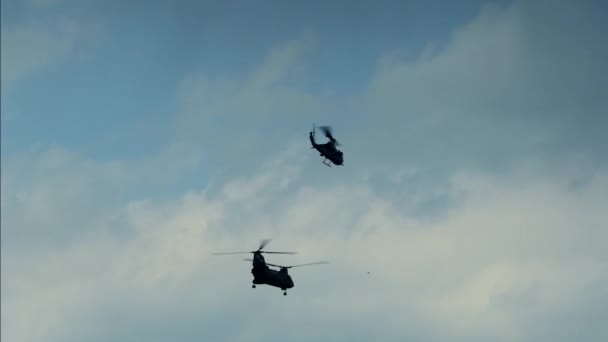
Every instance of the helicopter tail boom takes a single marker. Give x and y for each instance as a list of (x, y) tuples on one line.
[(312, 141), (311, 136)]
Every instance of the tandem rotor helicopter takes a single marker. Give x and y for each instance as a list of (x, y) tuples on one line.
[(262, 274), (327, 150)]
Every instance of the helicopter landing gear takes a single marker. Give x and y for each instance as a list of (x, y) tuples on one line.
[(253, 286), (284, 292), (325, 162)]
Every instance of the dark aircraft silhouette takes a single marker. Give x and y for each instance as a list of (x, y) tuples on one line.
[(262, 274), (327, 150)]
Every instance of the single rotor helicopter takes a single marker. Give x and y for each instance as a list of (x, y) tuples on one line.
[(327, 150), (262, 274)]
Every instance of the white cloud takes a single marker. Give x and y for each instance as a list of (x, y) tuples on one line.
[(504, 88), (281, 62), (521, 80), (30, 46), (258, 95), (41, 190), (517, 255), (514, 250), (55, 193), (231, 116)]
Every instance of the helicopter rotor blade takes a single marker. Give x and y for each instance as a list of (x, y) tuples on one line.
[(231, 253), (327, 131), (308, 264), (263, 244), (263, 252)]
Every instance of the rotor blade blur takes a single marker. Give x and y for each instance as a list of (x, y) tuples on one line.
[(263, 244), (326, 129), (312, 263), (309, 264), (231, 253), (279, 252)]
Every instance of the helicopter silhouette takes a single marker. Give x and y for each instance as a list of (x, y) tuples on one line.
[(327, 150), (262, 274)]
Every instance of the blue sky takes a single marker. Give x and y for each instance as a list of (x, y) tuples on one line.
[(138, 137), (135, 54)]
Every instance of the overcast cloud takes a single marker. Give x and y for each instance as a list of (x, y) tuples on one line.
[(471, 206)]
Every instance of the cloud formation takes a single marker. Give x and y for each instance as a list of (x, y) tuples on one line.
[(474, 195), (514, 253), (31, 46), (512, 83)]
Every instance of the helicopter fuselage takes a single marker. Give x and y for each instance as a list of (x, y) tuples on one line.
[(328, 150), (262, 274), (277, 278)]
